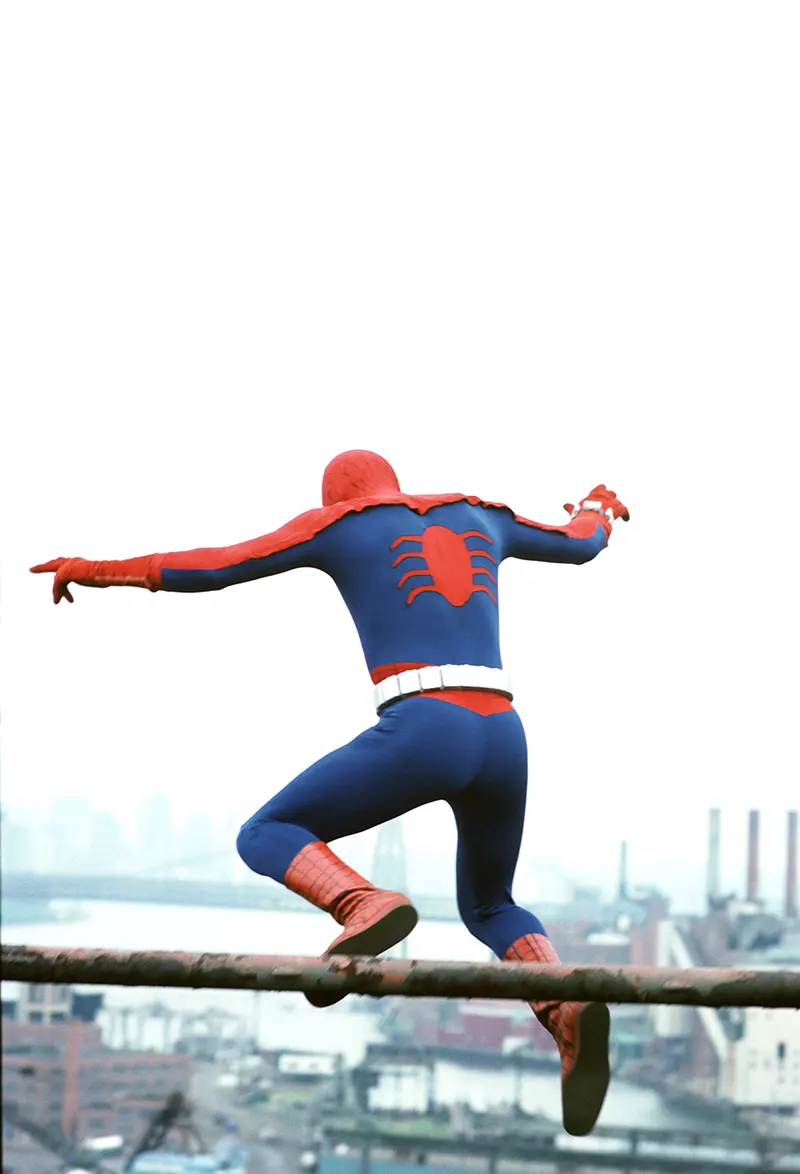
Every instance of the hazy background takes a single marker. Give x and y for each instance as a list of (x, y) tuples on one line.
[(517, 249)]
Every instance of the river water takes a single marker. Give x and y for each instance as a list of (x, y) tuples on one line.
[(287, 1021)]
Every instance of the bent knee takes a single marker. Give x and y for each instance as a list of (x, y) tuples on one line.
[(268, 845), (257, 844), (499, 925), (478, 919)]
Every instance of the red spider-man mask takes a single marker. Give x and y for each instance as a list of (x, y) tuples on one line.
[(358, 473)]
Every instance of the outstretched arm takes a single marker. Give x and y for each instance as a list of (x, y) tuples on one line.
[(300, 543), (578, 540)]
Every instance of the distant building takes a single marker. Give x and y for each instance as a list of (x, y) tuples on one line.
[(18, 844), (762, 1069), (40, 1002), (307, 1065), (60, 1075), (44, 1003), (108, 849), (155, 834), (748, 1057), (66, 835)]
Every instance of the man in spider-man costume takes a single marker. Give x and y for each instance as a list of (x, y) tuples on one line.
[(418, 575)]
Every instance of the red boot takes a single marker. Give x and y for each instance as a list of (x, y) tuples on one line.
[(374, 920), (581, 1032)]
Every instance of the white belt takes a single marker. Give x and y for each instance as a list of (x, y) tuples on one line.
[(442, 676)]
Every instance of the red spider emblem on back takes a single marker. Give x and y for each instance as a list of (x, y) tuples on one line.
[(449, 564)]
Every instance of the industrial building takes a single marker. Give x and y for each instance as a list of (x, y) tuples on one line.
[(747, 1057), (58, 1073)]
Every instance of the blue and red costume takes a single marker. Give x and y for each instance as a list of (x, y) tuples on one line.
[(419, 577)]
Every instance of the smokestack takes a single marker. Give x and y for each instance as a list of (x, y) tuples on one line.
[(623, 870), (752, 858), (713, 874), (790, 909)]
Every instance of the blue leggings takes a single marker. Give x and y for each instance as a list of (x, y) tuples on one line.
[(421, 750)]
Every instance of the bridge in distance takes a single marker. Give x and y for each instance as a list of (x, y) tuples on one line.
[(389, 871), (21, 886), (30, 886)]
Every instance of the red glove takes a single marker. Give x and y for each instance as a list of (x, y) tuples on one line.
[(601, 500), (133, 572)]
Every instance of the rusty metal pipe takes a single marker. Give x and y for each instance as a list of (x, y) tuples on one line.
[(697, 987)]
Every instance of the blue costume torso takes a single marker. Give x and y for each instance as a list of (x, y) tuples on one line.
[(420, 587)]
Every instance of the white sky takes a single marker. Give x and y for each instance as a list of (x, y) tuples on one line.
[(516, 248)]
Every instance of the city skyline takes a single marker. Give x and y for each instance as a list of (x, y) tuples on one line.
[(195, 846)]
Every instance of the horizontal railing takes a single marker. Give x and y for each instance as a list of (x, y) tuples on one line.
[(698, 986)]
